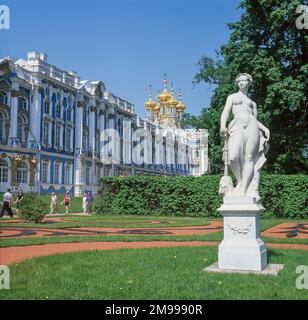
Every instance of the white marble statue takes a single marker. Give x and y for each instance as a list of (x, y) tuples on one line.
[(246, 142)]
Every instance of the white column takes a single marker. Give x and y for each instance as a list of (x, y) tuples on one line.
[(92, 127), (127, 141), (35, 115), (13, 140), (79, 185), (101, 129), (112, 144), (78, 127)]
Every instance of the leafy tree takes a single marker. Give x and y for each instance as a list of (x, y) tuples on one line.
[(267, 44)]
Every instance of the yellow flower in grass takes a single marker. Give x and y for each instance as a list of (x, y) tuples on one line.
[(130, 281), (219, 282)]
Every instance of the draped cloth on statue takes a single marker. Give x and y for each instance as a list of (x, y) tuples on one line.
[(239, 135)]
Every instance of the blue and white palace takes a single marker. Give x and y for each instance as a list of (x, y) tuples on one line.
[(51, 125)]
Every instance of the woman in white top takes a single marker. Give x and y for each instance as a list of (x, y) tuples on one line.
[(53, 203), (85, 203)]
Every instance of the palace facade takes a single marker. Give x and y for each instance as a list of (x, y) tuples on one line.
[(59, 132)]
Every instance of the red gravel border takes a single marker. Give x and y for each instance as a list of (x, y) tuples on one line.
[(11, 255)]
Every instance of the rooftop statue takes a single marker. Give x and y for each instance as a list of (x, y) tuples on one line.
[(246, 142)]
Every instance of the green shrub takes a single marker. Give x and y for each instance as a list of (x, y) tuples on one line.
[(282, 195), (32, 208)]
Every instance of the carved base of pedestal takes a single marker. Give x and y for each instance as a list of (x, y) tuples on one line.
[(242, 247), (236, 255)]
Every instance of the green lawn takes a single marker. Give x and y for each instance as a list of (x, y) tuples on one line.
[(160, 273), (112, 221)]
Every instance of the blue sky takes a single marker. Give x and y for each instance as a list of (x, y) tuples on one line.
[(128, 44)]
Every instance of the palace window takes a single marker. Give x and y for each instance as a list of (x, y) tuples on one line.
[(22, 172), (3, 119), (84, 118), (21, 125), (69, 114), (85, 139), (99, 173), (47, 107), (58, 111), (68, 139), (19, 128), (45, 172), (3, 98), (3, 171), (56, 177), (67, 174), (88, 170), (97, 143), (46, 133), (22, 104), (58, 136)]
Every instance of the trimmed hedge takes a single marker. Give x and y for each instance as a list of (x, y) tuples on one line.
[(282, 195)]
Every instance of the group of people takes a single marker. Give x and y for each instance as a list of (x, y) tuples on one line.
[(87, 201), (8, 201), (54, 203)]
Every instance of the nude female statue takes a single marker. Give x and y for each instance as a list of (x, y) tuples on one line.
[(246, 139)]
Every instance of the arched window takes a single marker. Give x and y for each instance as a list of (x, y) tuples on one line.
[(22, 104), (3, 119), (22, 172), (67, 174), (58, 136), (85, 140), (3, 97), (21, 124), (99, 173), (68, 138), (85, 117), (47, 107), (45, 167), (3, 171), (56, 178), (88, 171), (69, 114), (58, 110), (46, 133)]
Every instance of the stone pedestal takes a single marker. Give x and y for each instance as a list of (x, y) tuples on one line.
[(242, 247)]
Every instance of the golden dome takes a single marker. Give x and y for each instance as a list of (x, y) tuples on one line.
[(150, 104), (157, 108), (180, 107), (165, 95)]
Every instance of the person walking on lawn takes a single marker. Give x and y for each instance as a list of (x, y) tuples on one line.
[(67, 202), (89, 201), (85, 203), (53, 203), (7, 203)]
